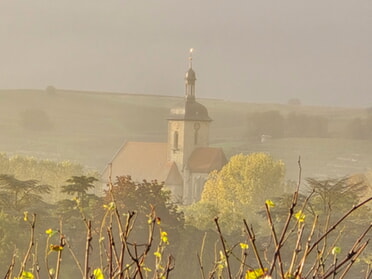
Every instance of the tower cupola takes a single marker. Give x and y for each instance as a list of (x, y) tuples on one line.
[(189, 109), (190, 79)]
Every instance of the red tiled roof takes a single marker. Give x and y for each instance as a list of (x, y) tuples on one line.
[(141, 160), (206, 159), (148, 160)]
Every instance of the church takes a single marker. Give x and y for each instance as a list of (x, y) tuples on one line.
[(184, 161)]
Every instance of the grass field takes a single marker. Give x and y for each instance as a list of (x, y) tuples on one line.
[(89, 127)]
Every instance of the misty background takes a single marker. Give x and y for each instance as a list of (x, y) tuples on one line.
[(253, 51)]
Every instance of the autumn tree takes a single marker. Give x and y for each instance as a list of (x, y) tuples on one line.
[(141, 197), (241, 187)]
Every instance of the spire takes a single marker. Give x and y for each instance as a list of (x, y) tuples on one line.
[(190, 58), (190, 79)]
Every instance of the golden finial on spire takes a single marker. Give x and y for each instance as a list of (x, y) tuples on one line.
[(190, 57)]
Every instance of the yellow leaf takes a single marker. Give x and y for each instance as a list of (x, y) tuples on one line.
[(255, 274), (270, 203), (244, 246), (25, 216), (300, 216), (164, 237), (98, 274), (336, 250), (146, 269), (52, 271), (222, 256), (56, 248), (159, 267), (157, 254), (50, 232), (26, 275)]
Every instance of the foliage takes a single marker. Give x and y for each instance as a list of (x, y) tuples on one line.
[(333, 195), (303, 125), (242, 186), (359, 128), (201, 214), (50, 90), (331, 198), (141, 197), (119, 256), (82, 206), (299, 247), (11, 235), (45, 171), (266, 123), (307, 239), (18, 194), (293, 124), (79, 186)]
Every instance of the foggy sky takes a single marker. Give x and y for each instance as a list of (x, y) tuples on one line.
[(319, 51)]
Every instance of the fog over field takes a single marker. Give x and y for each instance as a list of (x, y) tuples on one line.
[(124, 154), (254, 51)]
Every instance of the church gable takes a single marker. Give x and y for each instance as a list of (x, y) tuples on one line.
[(174, 177)]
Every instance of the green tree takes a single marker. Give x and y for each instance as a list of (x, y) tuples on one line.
[(201, 214), (19, 199), (45, 171), (79, 186), (335, 196), (241, 187), (304, 125), (12, 235), (265, 123), (21, 194)]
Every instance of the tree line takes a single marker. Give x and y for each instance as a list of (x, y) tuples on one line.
[(294, 124), (278, 125)]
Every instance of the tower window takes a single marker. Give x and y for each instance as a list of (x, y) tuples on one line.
[(175, 140), (196, 132)]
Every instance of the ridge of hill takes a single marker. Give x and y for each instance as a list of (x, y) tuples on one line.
[(89, 127)]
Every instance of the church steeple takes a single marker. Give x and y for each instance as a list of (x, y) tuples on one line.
[(188, 130), (190, 79)]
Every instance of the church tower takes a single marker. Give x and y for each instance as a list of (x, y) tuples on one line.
[(188, 126)]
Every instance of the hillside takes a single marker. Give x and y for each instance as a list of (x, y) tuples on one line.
[(89, 127)]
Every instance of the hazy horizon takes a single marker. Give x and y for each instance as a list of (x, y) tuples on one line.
[(251, 51)]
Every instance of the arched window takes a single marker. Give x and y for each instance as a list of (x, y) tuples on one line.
[(196, 132), (175, 140), (196, 137)]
